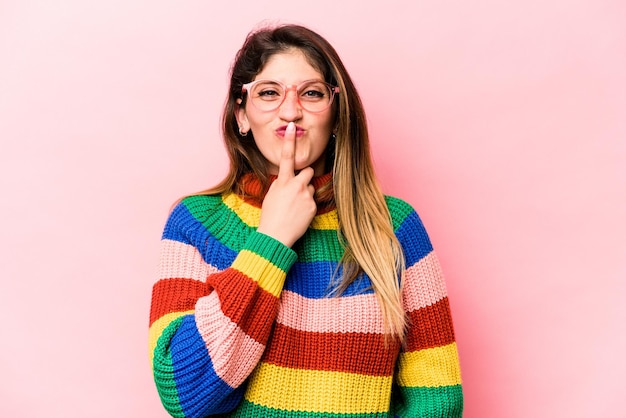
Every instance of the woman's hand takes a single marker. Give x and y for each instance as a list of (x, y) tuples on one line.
[(288, 207)]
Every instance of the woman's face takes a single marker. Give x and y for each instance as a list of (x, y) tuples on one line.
[(313, 130)]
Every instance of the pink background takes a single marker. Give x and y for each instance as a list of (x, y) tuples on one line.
[(503, 123)]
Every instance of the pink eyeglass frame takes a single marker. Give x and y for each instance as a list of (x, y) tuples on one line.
[(333, 89)]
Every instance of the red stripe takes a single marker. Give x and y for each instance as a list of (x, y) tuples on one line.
[(430, 326), (342, 352), (175, 295), (245, 303), (253, 191), (242, 300)]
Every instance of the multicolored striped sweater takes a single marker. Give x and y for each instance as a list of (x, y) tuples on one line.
[(242, 326)]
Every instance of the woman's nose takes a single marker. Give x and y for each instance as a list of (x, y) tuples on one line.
[(290, 109)]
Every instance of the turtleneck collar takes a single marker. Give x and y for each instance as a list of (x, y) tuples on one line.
[(253, 193)]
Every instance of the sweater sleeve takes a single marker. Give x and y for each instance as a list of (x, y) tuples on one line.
[(428, 377), (209, 324)]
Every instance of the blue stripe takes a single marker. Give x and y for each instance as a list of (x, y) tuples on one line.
[(182, 226), (414, 239), (313, 280), (200, 390)]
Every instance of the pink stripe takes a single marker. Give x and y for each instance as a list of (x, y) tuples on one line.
[(179, 260), (233, 353), (423, 283), (359, 313)]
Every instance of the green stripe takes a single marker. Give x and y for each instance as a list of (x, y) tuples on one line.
[(271, 249), (442, 401), (250, 410), (219, 220), (163, 370), (231, 231), (323, 245), (319, 245)]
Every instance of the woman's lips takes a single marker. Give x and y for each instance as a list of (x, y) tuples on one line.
[(281, 131)]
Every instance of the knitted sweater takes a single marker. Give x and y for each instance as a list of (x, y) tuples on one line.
[(242, 325)]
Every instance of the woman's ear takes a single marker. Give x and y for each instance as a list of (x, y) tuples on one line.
[(242, 118)]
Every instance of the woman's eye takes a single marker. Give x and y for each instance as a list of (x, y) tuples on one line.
[(313, 94), (269, 93)]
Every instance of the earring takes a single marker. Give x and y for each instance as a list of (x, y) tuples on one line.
[(242, 133)]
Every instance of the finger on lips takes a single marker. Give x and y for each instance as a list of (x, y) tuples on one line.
[(288, 155)]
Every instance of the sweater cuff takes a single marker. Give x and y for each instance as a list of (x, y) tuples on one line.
[(266, 261)]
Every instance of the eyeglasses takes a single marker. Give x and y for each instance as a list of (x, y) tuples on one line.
[(313, 95)]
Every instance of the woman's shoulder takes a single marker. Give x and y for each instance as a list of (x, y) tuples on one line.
[(399, 210), (195, 206), (203, 200)]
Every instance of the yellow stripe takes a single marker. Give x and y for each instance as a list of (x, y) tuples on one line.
[(431, 367), (328, 221), (249, 214), (318, 391), (157, 327), (267, 275)]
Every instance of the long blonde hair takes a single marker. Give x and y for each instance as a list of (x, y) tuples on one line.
[(365, 226)]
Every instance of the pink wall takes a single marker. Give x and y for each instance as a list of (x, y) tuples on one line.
[(503, 123)]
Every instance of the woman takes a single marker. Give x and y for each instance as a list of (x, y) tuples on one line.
[(295, 288)]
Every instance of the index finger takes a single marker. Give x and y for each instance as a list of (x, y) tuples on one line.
[(288, 152)]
